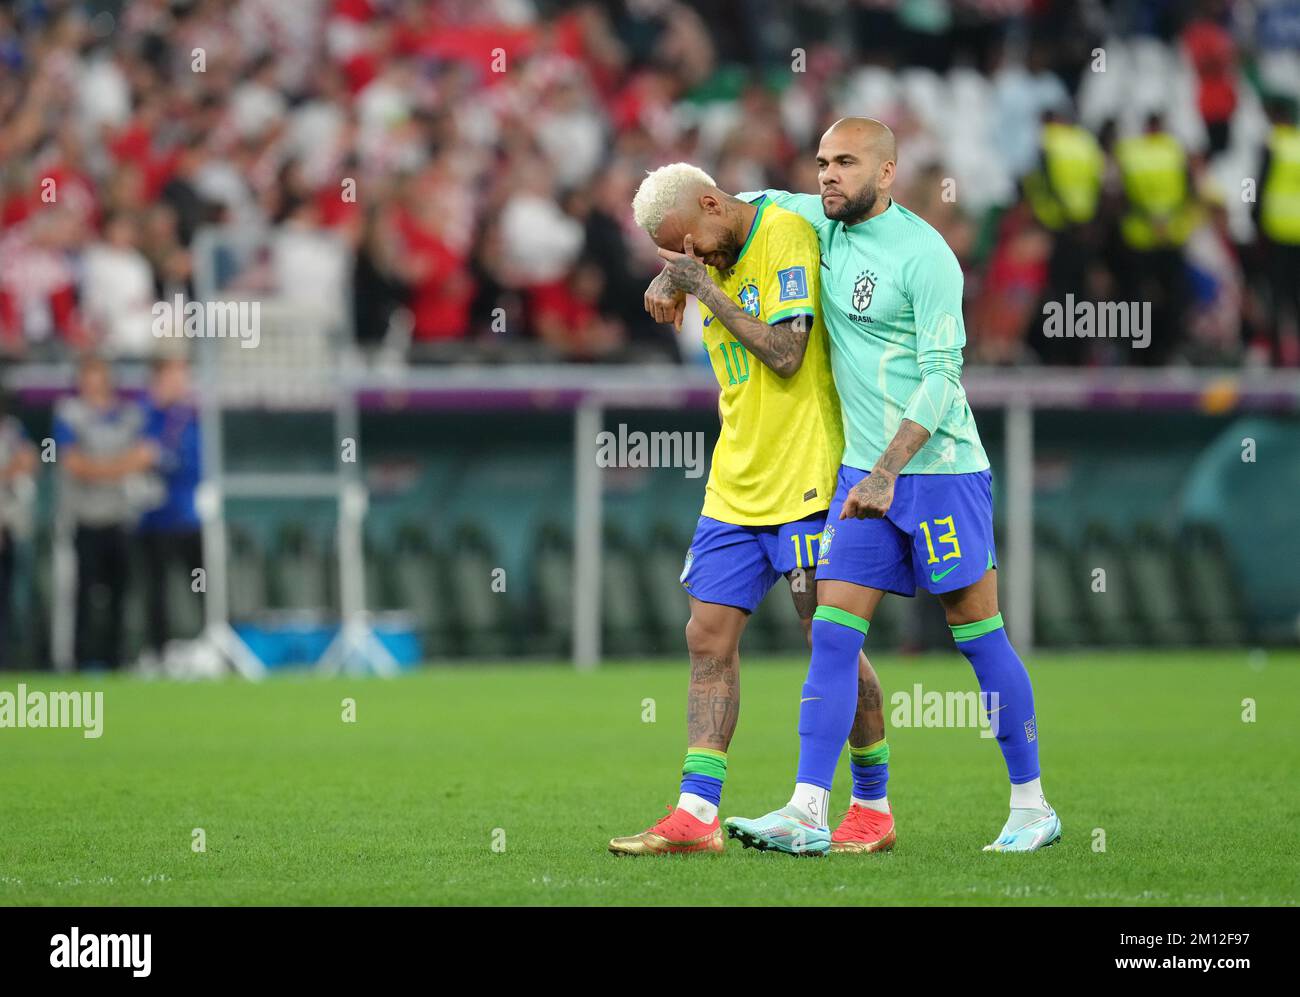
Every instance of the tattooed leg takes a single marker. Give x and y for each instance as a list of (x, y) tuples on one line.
[(869, 719), (713, 703)]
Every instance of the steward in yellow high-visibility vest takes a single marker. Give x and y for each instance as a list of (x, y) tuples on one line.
[(1066, 188), (1277, 219), (1279, 200), (1161, 210)]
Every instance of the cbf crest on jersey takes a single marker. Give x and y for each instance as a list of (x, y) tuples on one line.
[(862, 290), (749, 299)]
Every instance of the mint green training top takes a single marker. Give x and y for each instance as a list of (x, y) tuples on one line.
[(891, 293)]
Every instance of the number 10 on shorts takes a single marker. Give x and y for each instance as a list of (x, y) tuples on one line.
[(810, 542)]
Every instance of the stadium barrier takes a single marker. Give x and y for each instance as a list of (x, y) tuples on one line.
[(1180, 566)]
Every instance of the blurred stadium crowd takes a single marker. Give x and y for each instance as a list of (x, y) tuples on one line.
[(458, 173)]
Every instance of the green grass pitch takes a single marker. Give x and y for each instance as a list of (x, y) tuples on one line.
[(405, 805)]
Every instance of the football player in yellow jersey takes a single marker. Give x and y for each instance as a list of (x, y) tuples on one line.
[(754, 268)]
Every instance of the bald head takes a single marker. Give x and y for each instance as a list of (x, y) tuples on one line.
[(873, 137), (855, 166)]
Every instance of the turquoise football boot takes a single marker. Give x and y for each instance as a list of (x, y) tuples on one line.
[(1028, 831), (780, 831)]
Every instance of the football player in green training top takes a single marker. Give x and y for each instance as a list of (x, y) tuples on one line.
[(913, 504)]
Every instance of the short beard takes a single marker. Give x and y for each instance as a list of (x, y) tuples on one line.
[(728, 246), (854, 209)]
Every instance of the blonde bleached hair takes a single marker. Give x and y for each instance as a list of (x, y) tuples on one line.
[(662, 190)]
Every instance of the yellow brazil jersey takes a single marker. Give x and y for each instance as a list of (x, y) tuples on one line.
[(781, 440)]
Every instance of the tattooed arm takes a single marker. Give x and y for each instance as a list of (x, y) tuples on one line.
[(664, 302), (781, 346), (872, 496)]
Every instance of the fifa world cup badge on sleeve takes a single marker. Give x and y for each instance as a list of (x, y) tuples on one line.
[(793, 282)]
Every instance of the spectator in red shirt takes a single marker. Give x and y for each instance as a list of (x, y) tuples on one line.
[(1214, 55), (567, 317), (38, 291), (438, 273)]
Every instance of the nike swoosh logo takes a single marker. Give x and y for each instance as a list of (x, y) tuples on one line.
[(941, 577), (1002, 707), (708, 320), (809, 699)]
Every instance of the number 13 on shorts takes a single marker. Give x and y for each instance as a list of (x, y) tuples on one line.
[(933, 536)]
